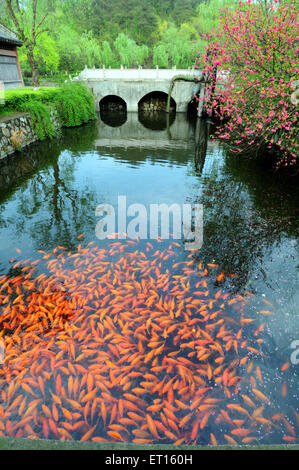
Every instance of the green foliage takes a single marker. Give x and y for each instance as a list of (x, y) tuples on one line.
[(46, 54), (14, 99), (178, 45), (127, 32), (75, 105), (41, 118), (183, 10), (68, 45), (207, 17), (108, 56), (129, 52), (90, 49), (160, 56)]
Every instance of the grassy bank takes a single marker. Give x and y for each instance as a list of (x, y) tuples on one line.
[(10, 443), (73, 104)]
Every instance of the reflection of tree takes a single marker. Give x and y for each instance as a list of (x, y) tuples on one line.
[(274, 196), (246, 213), (201, 142), (51, 192), (65, 210), (16, 169)]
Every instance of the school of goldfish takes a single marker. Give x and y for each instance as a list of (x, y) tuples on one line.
[(124, 344)]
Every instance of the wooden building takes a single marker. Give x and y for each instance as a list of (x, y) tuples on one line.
[(10, 70)]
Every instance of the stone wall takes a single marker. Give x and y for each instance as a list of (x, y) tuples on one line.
[(16, 132)]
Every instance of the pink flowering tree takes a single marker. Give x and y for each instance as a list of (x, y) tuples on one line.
[(255, 53)]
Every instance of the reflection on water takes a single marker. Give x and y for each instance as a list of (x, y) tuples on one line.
[(48, 197), (158, 121), (141, 131)]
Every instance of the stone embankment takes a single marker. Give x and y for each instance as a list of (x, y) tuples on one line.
[(17, 131)]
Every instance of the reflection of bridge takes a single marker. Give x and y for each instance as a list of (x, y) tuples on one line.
[(133, 133), (132, 85), (178, 134)]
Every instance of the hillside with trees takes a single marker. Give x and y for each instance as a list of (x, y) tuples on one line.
[(75, 33)]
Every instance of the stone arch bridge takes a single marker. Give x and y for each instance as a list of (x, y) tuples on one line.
[(133, 85)]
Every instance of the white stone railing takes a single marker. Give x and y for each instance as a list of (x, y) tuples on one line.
[(136, 74)]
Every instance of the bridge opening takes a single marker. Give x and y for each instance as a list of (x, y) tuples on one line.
[(155, 101), (113, 111)]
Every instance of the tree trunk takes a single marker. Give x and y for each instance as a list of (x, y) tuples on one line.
[(34, 70)]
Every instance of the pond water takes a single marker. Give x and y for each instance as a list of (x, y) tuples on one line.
[(142, 340)]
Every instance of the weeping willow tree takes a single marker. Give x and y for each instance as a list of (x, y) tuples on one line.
[(108, 56), (91, 49), (129, 52), (174, 48), (160, 56)]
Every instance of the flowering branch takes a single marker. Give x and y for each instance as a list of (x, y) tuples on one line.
[(257, 51)]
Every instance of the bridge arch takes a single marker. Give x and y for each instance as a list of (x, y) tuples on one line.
[(113, 103), (133, 85), (113, 110), (155, 101)]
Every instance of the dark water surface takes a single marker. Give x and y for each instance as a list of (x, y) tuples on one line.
[(48, 197)]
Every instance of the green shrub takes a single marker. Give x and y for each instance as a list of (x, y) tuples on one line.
[(14, 99), (41, 118), (73, 102), (75, 105)]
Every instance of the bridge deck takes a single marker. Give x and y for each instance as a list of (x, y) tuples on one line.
[(137, 74)]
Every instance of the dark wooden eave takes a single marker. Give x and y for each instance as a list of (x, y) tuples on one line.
[(8, 37)]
